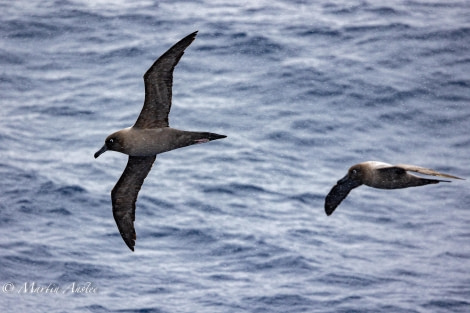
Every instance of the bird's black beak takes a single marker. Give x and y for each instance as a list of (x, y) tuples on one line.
[(101, 151)]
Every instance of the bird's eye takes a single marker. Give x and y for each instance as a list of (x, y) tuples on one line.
[(111, 140), (354, 171)]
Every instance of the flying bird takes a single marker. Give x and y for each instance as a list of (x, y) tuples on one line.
[(379, 175), (149, 136)]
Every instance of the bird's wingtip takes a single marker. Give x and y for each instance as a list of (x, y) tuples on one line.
[(130, 245), (329, 211)]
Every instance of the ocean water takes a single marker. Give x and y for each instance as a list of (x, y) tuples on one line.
[(303, 90)]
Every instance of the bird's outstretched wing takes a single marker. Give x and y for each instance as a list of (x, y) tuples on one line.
[(158, 85), (425, 171), (338, 193), (124, 196)]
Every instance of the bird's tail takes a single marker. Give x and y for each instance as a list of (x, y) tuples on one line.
[(205, 137)]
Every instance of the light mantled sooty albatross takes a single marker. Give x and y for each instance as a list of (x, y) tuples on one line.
[(379, 175), (149, 136)]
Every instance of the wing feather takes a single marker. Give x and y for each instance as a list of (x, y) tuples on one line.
[(124, 196), (425, 171), (158, 82), (337, 194)]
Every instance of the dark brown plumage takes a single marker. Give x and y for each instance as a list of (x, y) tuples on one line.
[(149, 136), (379, 175)]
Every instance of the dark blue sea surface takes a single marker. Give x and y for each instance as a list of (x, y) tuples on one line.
[(303, 90)]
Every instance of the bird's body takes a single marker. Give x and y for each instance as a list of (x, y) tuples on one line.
[(386, 176), (148, 137), (152, 141)]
